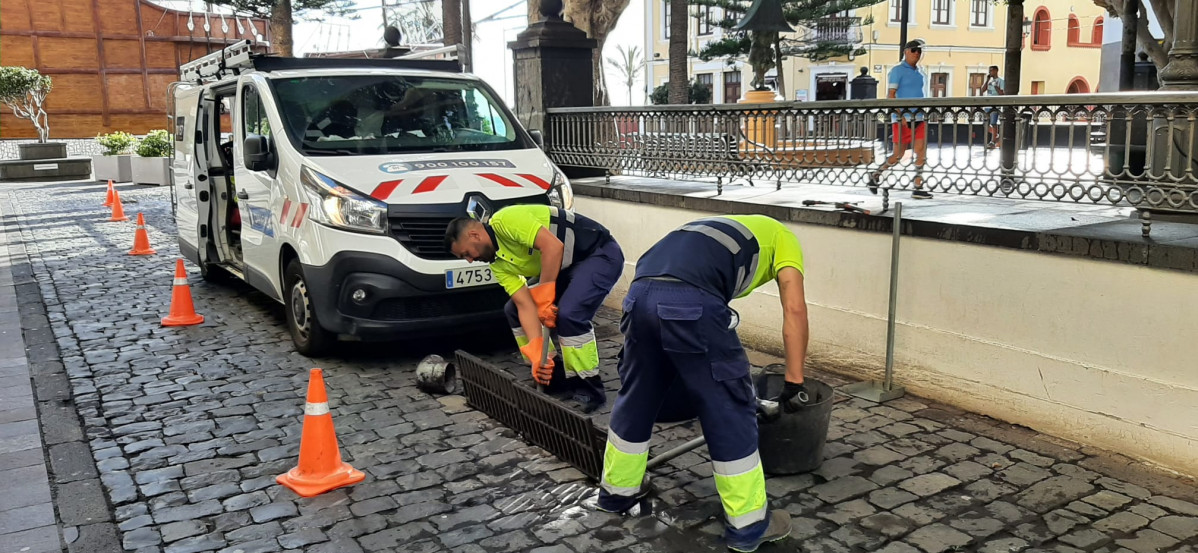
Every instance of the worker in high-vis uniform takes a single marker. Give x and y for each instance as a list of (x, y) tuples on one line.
[(576, 262), (679, 339)]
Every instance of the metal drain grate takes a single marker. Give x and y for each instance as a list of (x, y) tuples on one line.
[(539, 418)]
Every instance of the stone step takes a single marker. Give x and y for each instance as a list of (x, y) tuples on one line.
[(32, 170)]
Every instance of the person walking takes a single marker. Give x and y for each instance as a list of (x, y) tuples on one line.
[(576, 262), (995, 86), (907, 81), (679, 340)]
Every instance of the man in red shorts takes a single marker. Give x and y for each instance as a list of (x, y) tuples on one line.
[(909, 126)]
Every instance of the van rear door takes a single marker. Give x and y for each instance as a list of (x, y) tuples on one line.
[(184, 169)]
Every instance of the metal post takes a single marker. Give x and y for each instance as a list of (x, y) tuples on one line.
[(905, 6), (884, 391), (888, 382), (1012, 75), (1127, 60)]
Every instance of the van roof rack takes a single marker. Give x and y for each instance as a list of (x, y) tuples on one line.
[(240, 57)]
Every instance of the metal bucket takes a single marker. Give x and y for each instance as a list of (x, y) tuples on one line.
[(436, 375), (794, 442)]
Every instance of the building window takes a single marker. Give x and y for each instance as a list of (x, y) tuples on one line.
[(666, 20), (705, 79), (939, 85), (1074, 37), (977, 84), (1042, 30), (896, 11), (1037, 87), (705, 16), (1096, 35), (731, 86), (942, 12), (1078, 86), (979, 13)]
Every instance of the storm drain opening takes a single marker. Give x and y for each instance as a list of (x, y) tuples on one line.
[(540, 419)]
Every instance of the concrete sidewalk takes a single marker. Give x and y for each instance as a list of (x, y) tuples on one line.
[(27, 520)]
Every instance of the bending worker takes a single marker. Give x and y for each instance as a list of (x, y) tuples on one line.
[(577, 262), (678, 336)]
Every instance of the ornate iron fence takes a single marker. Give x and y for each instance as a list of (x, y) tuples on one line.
[(1138, 149)]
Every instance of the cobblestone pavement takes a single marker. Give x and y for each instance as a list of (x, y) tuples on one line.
[(170, 439)]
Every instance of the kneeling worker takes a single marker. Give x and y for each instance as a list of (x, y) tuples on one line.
[(577, 262), (678, 334)]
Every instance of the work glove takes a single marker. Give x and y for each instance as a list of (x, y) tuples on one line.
[(541, 373), (794, 397), (543, 295)]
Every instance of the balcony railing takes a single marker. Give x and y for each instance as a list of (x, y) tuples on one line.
[(827, 31), (1134, 149)]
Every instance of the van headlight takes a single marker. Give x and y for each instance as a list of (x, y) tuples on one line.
[(337, 206), (560, 193)]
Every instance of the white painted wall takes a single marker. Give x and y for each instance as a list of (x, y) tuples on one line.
[(1091, 351)]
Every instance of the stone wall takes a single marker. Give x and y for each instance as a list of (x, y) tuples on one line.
[(76, 147)]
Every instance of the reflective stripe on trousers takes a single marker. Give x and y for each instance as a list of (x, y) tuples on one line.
[(623, 465), (741, 485)]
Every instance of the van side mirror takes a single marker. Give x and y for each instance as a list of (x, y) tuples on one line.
[(538, 138), (258, 154)]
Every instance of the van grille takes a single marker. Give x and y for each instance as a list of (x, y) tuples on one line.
[(423, 236), (483, 301)]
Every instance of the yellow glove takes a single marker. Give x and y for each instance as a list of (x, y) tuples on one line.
[(544, 295), (541, 373)]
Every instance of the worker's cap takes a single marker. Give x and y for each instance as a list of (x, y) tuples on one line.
[(916, 44)]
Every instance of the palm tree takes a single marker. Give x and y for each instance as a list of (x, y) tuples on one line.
[(679, 80), (629, 65)]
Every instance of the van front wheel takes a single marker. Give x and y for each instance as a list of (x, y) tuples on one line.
[(309, 337)]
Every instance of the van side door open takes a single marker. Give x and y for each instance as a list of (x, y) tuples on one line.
[(256, 168)]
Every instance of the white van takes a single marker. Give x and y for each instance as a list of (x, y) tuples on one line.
[(328, 184)]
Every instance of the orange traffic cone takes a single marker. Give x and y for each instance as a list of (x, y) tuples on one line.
[(183, 313), (108, 197), (320, 466), (141, 240), (118, 210)]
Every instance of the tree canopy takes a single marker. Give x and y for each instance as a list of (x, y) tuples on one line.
[(24, 91), (820, 32)]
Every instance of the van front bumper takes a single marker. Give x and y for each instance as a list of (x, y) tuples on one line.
[(396, 301)]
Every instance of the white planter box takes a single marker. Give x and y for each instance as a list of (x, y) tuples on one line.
[(114, 168), (151, 170)]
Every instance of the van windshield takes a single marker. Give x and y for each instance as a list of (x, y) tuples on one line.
[(377, 114)]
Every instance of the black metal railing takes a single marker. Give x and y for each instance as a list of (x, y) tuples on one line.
[(1137, 149)]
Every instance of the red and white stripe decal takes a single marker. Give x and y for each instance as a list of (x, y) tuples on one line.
[(430, 183), (299, 215), (286, 208), (536, 180), (501, 180), (385, 189)]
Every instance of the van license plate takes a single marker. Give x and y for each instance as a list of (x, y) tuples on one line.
[(468, 276)]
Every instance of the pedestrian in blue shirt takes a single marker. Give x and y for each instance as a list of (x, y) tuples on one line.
[(995, 86), (909, 126)]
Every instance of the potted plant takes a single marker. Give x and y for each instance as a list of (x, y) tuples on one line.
[(152, 164), (114, 164)]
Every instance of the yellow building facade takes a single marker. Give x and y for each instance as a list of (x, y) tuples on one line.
[(1062, 50)]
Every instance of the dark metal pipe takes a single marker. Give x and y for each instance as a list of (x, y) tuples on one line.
[(688, 446), (1127, 60), (1012, 75)]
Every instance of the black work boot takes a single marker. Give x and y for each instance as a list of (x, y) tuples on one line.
[(589, 392), (778, 529)]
